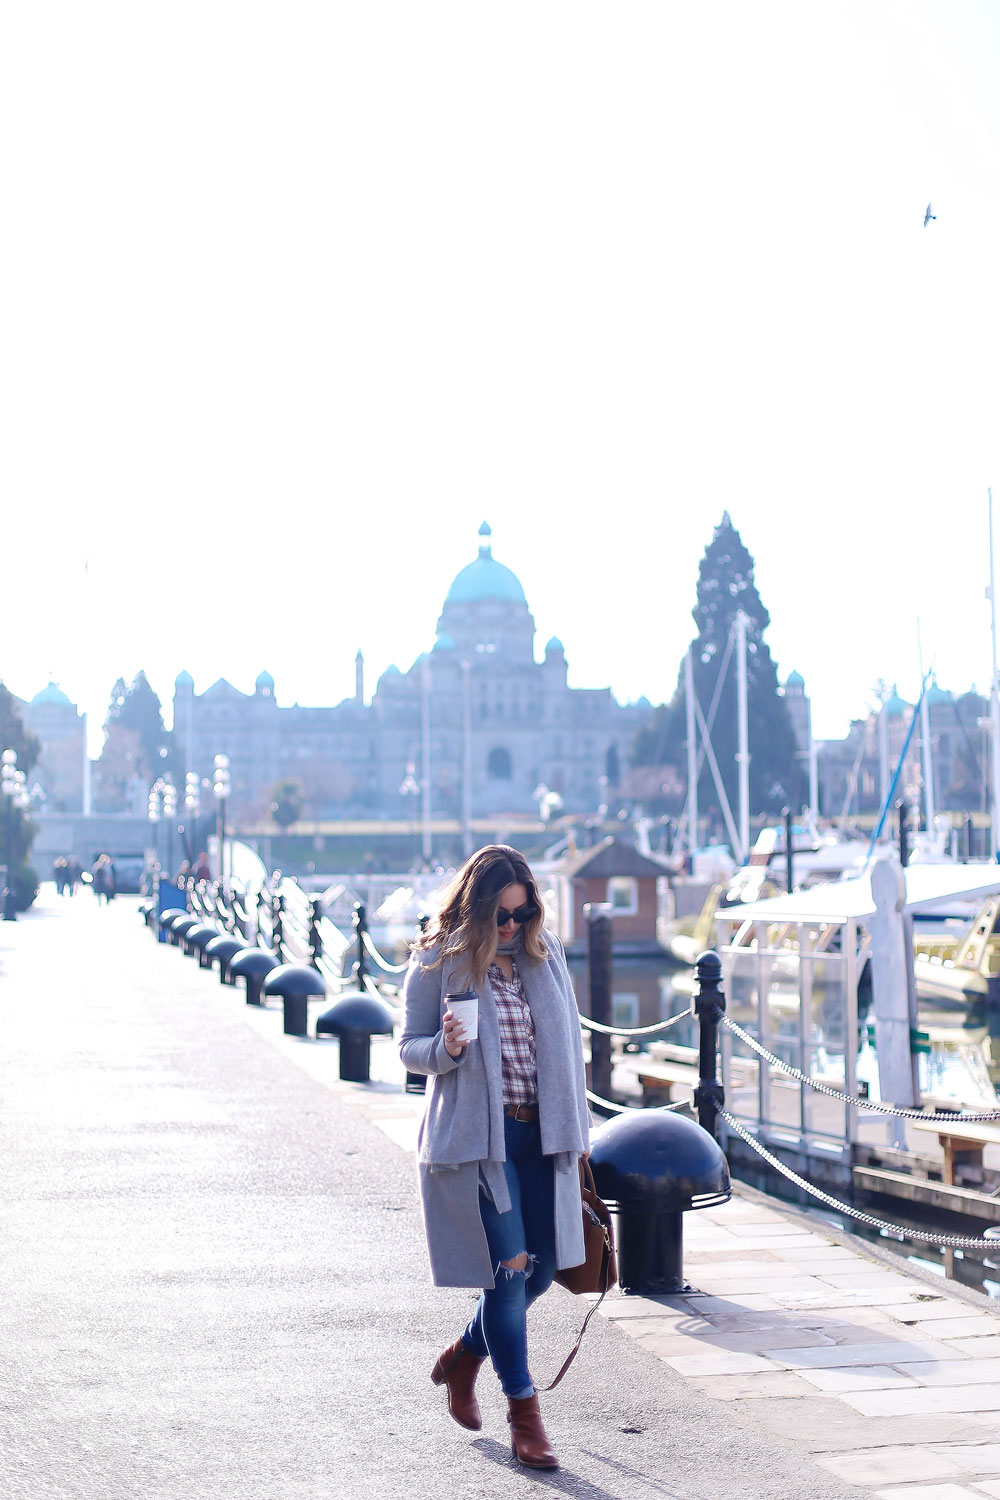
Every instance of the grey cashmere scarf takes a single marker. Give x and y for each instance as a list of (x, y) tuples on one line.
[(548, 990)]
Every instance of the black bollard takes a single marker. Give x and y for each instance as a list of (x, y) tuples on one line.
[(600, 970), (710, 1007), (968, 840)]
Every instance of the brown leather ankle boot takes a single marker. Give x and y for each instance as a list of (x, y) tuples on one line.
[(457, 1368), (527, 1435)]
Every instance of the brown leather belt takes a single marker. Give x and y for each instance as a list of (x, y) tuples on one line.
[(524, 1112)]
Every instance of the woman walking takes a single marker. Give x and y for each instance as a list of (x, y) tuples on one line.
[(505, 1124)]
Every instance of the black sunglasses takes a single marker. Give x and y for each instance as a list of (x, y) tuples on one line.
[(522, 915)]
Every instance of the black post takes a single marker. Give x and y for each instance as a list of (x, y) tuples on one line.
[(968, 839), (789, 878), (416, 1083), (9, 903), (710, 1007), (904, 832), (600, 968), (360, 929), (315, 938)]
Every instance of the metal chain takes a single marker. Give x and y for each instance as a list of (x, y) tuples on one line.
[(383, 963), (630, 1109), (952, 1241), (822, 1088), (589, 1025), (368, 984)]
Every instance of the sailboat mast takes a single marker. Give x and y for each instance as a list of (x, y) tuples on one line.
[(994, 698), (743, 754), (883, 744), (925, 744), (692, 751)]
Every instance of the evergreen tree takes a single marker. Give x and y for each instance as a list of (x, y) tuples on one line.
[(726, 586), (16, 828), (286, 803), (136, 708), (14, 736)]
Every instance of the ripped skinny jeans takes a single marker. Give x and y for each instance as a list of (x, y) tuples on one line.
[(498, 1326)]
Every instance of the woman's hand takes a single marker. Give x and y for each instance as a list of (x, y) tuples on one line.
[(453, 1030)]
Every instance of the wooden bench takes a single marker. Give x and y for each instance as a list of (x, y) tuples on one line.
[(658, 1079), (962, 1143)]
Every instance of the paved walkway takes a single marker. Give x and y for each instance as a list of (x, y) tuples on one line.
[(213, 1282)]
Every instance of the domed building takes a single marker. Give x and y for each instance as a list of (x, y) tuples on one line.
[(487, 703), (61, 728)]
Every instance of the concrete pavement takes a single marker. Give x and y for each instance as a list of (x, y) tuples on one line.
[(214, 1282)]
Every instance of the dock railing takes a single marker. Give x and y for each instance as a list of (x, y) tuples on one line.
[(282, 917)]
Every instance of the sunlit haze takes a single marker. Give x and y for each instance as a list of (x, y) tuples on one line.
[(296, 297)]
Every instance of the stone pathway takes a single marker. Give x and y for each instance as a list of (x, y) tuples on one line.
[(883, 1379)]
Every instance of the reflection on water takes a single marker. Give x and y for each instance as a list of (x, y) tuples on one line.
[(972, 1268), (642, 994)]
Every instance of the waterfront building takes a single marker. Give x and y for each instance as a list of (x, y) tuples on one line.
[(59, 771), (854, 771), (617, 874), (489, 705)]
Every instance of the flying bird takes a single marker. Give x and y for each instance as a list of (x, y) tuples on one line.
[(928, 216)]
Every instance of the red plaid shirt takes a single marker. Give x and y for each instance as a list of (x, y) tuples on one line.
[(517, 1037)]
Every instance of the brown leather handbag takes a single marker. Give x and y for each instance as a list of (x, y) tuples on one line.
[(599, 1271)]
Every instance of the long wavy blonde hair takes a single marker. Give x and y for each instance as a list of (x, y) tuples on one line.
[(466, 925)]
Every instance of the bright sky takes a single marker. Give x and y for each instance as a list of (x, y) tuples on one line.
[(293, 297)]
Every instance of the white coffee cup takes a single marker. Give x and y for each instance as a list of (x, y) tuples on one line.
[(466, 1013)]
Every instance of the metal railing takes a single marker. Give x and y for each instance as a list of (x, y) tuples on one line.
[(292, 924)]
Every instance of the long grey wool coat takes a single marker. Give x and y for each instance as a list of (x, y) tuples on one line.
[(461, 1135)]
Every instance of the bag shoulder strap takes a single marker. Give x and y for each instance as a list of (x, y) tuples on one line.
[(587, 1180)]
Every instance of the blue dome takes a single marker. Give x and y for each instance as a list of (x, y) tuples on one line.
[(896, 706), (485, 578), (264, 680), (555, 644), (52, 694), (796, 680), (184, 680)]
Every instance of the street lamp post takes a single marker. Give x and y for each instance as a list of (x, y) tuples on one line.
[(169, 817), (192, 802), (222, 786), (154, 806), (9, 788), (483, 648), (466, 760), (409, 787)]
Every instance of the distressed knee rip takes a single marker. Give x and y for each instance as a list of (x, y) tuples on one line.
[(518, 1265)]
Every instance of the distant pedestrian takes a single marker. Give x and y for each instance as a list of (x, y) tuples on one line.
[(74, 870), (202, 869), (60, 875), (505, 1125), (103, 875)]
